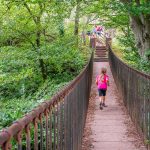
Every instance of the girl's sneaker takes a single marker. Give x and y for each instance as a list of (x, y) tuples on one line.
[(101, 106), (104, 105)]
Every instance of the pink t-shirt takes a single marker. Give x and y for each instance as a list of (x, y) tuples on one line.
[(102, 81), (99, 28)]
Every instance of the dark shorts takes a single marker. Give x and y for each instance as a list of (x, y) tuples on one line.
[(102, 92)]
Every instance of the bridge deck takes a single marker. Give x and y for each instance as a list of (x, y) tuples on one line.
[(110, 128)]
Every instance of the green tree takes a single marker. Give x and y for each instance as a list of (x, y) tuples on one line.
[(126, 15), (30, 20), (139, 13)]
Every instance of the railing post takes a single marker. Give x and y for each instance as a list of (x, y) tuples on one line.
[(27, 131), (93, 42), (108, 42)]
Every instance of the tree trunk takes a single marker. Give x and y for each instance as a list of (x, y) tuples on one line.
[(38, 44), (83, 37), (140, 25), (76, 27), (141, 29), (37, 21)]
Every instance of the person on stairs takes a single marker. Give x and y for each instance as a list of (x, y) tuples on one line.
[(102, 81)]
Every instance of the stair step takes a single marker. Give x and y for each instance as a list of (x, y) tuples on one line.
[(100, 56), (101, 50), (100, 59), (100, 47), (100, 53)]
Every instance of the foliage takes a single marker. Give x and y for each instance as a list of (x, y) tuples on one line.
[(21, 86), (130, 53), (39, 53), (13, 109), (117, 15), (130, 56)]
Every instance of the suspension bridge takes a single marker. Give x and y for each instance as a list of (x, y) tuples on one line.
[(58, 124)]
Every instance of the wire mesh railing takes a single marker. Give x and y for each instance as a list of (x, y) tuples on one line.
[(134, 87), (56, 124)]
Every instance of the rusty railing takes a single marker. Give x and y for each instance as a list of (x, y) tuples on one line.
[(92, 42), (56, 124), (134, 87)]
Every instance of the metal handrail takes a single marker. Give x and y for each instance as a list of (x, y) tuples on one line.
[(134, 87), (137, 71), (55, 124)]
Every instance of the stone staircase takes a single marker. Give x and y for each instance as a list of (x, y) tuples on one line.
[(101, 54)]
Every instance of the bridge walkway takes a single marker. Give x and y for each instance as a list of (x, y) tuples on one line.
[(110, 128)]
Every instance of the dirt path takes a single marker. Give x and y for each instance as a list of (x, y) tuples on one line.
[(110, 128)]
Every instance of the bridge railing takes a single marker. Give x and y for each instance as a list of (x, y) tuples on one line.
[(55, 124), (134, 86)]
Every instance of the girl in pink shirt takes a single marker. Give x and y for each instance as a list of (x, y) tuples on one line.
[(102, 80)]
